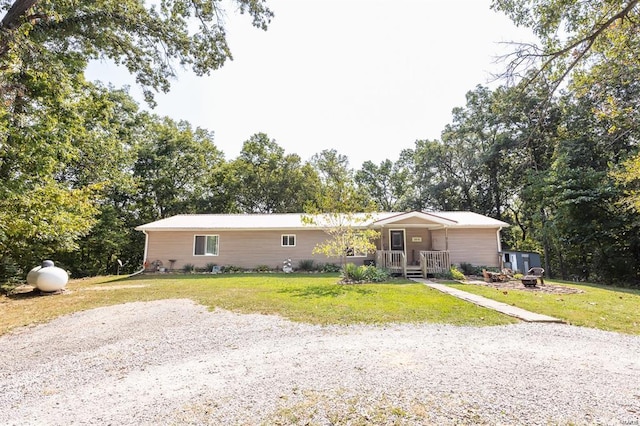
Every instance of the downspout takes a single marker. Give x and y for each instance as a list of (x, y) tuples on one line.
[(381, 260), (500, 258), (144, 256)]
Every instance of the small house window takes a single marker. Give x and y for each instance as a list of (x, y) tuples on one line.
[(353, 253), (206, 245), (289, 240)]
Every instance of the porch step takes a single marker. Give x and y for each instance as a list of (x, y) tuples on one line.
[(414, 272)]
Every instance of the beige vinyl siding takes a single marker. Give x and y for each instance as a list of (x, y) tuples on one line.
[(413, 249), (475, 246), (246, 249)]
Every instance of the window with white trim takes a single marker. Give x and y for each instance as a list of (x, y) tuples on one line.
[(288, 240), (206, 245), (353, 253)]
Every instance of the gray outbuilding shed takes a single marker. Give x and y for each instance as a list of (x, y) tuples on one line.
[(520, 261)]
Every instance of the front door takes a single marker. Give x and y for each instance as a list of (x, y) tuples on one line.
[(397, 239)]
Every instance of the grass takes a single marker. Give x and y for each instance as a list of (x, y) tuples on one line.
[(603, 307), (344, 407), (314, 299)]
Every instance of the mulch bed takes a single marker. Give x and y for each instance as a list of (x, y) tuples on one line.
[(517, 285)]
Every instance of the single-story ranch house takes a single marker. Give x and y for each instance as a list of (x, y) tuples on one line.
[(412, 243)]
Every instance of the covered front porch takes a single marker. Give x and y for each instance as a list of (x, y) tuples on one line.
[(430, 262), (414, 244), (419, 243)]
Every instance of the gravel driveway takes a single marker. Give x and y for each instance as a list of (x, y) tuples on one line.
[(174, 362)]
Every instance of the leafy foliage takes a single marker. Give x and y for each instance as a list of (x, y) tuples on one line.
[(457, 275), (574, 35), (265, 180), (174, 167), (352, 273), (346, 233), (147, 39), (306, 265), (68, 185), (262, 268), (467, 268), (81, 166), (385, 184), (330, 268)]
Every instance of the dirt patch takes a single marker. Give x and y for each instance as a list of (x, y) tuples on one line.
[(116, 287), (517, 285)]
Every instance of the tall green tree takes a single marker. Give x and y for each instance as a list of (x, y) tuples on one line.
[(340, 208), (472, 167), (266, 180), (106, 154), (54, 167), (574, 35), (386, 184), (337, 192), (174, 167), (149, 39), (65, 148), (429, 168)]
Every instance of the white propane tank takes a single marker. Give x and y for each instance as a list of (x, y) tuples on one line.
[(48, 277), (33, 275)]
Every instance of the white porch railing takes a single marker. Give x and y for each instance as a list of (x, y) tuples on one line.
[(434, 262), (393, 260)]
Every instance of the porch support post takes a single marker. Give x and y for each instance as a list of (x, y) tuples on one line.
[(146, 250), (446, 238)]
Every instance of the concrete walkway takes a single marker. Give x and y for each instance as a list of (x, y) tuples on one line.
[(489, 303)]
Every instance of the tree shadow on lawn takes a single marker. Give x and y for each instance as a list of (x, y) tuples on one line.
[(628, 290), (325, 291)]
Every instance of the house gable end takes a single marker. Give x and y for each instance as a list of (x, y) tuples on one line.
[(415, 218)]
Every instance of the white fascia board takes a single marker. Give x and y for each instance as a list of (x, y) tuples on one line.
[(218, 229), (438, 220), (488, 226)]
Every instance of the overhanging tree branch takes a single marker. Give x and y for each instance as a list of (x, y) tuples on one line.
[(17, 10), (529, 53), (11, 21)]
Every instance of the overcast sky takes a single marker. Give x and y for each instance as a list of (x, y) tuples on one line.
[(365, 77)]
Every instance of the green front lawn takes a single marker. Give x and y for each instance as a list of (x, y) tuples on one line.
[(314, 299), (603, 307)]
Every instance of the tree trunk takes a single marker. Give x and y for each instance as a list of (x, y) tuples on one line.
[(547, 260), (11, 21), (563, 269), (17, 10)]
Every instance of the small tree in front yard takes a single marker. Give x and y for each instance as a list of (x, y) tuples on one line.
[(340, 209), (346, 234)]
